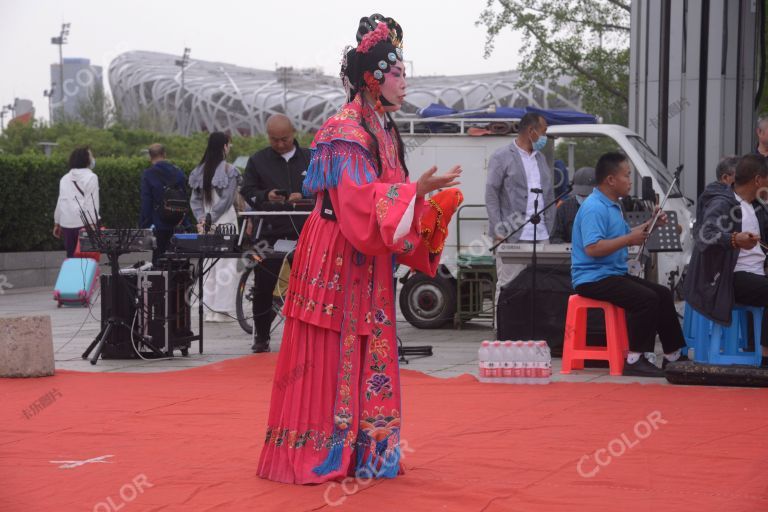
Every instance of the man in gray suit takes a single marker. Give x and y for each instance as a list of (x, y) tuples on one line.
[(512, 172)]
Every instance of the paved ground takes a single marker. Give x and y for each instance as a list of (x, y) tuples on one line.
[(455, 351)]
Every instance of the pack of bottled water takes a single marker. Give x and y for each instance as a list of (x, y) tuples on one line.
[(515, 362)]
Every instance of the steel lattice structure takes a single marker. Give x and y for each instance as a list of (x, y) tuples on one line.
[(217, 96)]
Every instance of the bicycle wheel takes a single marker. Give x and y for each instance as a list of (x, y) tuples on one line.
[(244, 301)]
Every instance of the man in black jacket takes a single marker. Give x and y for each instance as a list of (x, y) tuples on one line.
[(727, 264), (273, 175)]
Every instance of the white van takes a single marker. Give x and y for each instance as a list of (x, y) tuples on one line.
[(431, 302)]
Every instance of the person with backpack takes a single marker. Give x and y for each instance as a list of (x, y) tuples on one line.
[(164, 199), (78, 190)]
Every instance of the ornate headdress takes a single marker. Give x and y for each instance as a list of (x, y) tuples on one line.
[(379, 46)]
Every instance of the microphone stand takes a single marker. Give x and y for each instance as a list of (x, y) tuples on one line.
[(535, 219)]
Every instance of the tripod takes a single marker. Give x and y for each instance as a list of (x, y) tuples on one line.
[(534, 220), (115, 322)]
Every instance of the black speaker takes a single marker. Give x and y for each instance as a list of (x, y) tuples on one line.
[(155, 305), (165, 309), (119, 344), (553, 287)]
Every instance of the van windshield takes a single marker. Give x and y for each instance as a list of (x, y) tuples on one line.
[(657, 167)]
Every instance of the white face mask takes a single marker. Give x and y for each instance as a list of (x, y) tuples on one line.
[(92, 163)]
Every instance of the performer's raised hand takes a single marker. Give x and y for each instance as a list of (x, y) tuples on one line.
[(431, 181)]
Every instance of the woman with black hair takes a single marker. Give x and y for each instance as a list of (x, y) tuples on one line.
[(335, 407), (78, 190), (214, 184)]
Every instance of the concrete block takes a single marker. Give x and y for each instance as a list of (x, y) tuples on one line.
[(53, 259), (24, 278), (50, 276), (23, 260), (26, 346)]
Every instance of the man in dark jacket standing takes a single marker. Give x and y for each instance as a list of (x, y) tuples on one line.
[(274, 174), (727, 265), (160, 175)]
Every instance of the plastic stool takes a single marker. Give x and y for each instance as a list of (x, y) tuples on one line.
[(693, 324), (717, 344), (575, 349)]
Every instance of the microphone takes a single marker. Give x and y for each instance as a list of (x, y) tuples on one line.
[(537, 191), (207, 224)]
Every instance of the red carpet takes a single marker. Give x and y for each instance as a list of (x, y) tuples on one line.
[(189, 441)]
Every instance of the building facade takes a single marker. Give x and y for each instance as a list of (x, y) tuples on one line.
[(695, 81), (80, 79)]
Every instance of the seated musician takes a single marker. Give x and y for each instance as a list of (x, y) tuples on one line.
[(599, 269), (273, 175), (728, 264), (583, 183)]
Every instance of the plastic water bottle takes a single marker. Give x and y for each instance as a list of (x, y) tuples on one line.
[(518, 368), (545, 362), (497, 361), (508, 358), (529, 359), (484, 356)]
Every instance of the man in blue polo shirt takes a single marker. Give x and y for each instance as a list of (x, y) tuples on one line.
[(599, 269)]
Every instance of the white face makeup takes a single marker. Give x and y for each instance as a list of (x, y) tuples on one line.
[(393, 88)]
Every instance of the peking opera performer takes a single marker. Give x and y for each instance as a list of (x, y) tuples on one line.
[(335, 407)]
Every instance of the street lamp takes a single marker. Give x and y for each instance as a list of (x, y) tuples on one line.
[(61, 40), (182, 63), (3, 112), (282, 77), (48, 93)]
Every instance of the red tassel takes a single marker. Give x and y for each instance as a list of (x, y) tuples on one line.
[(374, 88)]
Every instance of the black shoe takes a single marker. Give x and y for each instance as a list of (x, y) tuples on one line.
[(665, 362), (260, 345), (642, 368)]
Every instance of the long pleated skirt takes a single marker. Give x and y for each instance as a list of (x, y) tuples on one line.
[(301, 414)]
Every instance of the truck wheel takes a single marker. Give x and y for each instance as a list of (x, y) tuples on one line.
[(428, 302)]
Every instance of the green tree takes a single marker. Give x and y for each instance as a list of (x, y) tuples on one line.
[(96, 109), (120, 141), (587, 40)]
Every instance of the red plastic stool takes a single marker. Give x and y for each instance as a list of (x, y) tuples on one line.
[(575, 349)]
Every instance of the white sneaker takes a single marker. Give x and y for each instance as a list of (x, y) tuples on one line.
[(217, 317)]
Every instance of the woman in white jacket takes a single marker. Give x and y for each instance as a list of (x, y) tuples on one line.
[(78, 189)]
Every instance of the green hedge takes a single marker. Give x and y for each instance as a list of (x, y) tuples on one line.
[(30, 188)]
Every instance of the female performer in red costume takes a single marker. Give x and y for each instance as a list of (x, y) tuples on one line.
[(335, 408)]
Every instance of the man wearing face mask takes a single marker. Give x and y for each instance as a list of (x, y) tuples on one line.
[(513, 171)]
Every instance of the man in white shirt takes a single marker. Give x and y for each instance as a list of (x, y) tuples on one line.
[(513, 172), (78, 189), (728, 263)]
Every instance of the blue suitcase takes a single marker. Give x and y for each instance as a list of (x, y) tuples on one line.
[(77, 281)]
